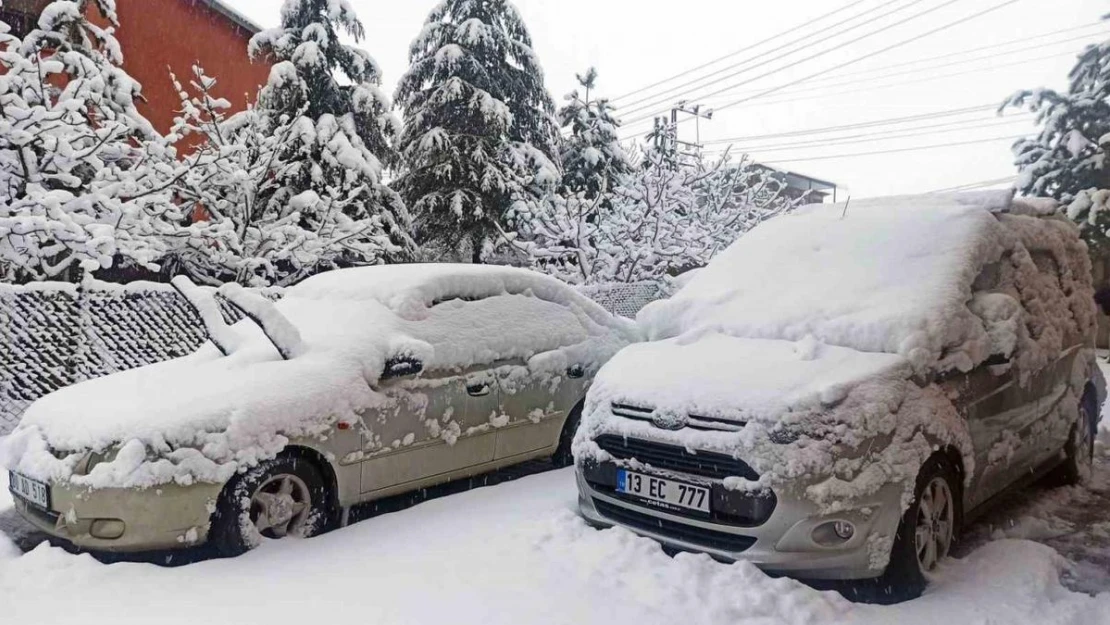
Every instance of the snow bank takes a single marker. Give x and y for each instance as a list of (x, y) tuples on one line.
[(511, 554), (204, 416)]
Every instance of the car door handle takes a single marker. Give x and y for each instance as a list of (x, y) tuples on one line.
[(478, 390), (576, 371)]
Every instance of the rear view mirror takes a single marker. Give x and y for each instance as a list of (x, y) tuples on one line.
[(401, 366)]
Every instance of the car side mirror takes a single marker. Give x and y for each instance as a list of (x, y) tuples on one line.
[(401, 366)]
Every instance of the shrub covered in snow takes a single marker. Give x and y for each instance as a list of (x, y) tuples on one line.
[(479, 137), (73, 151), (662, 219)]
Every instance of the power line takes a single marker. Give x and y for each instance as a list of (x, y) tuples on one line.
[(869, 124), (658, 101), (886, 135), (738, 52), (894, 151), (875, 53), (676, 91), (824, 52), (810, 94), (817, 84)]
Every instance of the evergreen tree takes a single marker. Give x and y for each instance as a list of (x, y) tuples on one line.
[(343, 131), (1068, 159), (479, 144), (591, 155), (72, 147)]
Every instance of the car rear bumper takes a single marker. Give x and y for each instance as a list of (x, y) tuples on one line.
[(783, 544), (165, 517)]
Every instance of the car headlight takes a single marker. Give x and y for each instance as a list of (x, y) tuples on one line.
[(93, 458)]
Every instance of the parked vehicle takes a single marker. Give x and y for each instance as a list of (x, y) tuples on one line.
[(844, 387), (358, 384)]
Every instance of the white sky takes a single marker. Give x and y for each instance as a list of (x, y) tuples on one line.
[(635, 43)]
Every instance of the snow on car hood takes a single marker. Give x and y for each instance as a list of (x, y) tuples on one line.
[(203, 416), (741, 379)]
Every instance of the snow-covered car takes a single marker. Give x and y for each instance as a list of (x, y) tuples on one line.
[(844, 386), (358, 384)]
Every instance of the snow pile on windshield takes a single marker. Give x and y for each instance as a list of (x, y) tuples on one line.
[(204, 416)]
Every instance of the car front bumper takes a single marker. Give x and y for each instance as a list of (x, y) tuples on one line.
[(163, 517), (783, 544)]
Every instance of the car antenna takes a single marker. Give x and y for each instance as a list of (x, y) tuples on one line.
[(846, 203), (204, 303)]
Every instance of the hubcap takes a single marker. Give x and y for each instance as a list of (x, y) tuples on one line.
[(936, 521), (280, 506)]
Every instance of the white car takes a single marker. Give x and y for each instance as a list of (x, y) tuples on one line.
[(843, 387)]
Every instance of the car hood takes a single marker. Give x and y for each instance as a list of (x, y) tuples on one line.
[(740, 379)]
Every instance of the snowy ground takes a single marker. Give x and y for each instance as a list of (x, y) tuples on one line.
[(517, 554)]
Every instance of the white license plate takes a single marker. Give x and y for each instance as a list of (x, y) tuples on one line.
[(663, 491), (30, 490)]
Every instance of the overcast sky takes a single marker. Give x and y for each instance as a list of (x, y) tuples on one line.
[(635, 43)]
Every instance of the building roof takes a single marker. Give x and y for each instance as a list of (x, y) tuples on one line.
[(241, 20)]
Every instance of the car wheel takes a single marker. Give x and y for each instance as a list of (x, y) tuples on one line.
[(925, 535), (1080, 449), (563, 456), (281, 497)]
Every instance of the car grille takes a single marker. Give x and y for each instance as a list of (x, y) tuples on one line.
[(680, 531), (674, 458), (694, 422)]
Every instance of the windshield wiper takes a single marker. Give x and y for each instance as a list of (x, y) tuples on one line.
[(282, 334), (204, 302)]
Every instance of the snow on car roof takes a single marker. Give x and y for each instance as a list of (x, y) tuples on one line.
[(886, 275)]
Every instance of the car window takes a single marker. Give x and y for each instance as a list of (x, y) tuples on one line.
[(467, 333)]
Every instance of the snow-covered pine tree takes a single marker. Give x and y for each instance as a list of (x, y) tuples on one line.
[(251, 231), (1068, 159), (343, 130), (69, 149), (591, 153), (479, 143)]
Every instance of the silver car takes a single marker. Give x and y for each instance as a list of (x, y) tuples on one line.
[(357, 385), (836, 394)]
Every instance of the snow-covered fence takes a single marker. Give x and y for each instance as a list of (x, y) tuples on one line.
[(54, 334), (625, 299)]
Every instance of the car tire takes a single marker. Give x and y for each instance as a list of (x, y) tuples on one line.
[(906, 574), (283, 496), (1080, 449), (563, 456)]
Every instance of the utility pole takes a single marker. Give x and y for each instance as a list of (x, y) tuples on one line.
[(664, 135)]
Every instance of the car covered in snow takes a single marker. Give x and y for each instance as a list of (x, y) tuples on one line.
[(356, 385), (842, 388)]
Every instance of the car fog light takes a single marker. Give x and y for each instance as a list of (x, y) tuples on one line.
[(833, 533), (844, 529), (107, 529)]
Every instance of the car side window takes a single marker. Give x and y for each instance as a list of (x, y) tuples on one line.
[(467, 333)]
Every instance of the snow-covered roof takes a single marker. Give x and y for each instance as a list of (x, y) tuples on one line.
[(235, 16), (887, 275)]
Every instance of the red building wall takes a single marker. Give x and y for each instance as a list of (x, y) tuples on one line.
[(158, 36)]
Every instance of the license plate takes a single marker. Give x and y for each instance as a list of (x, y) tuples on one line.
[(663, 491), (29, 490)]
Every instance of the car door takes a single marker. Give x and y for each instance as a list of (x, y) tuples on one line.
[(536, 405), (432, 425)]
